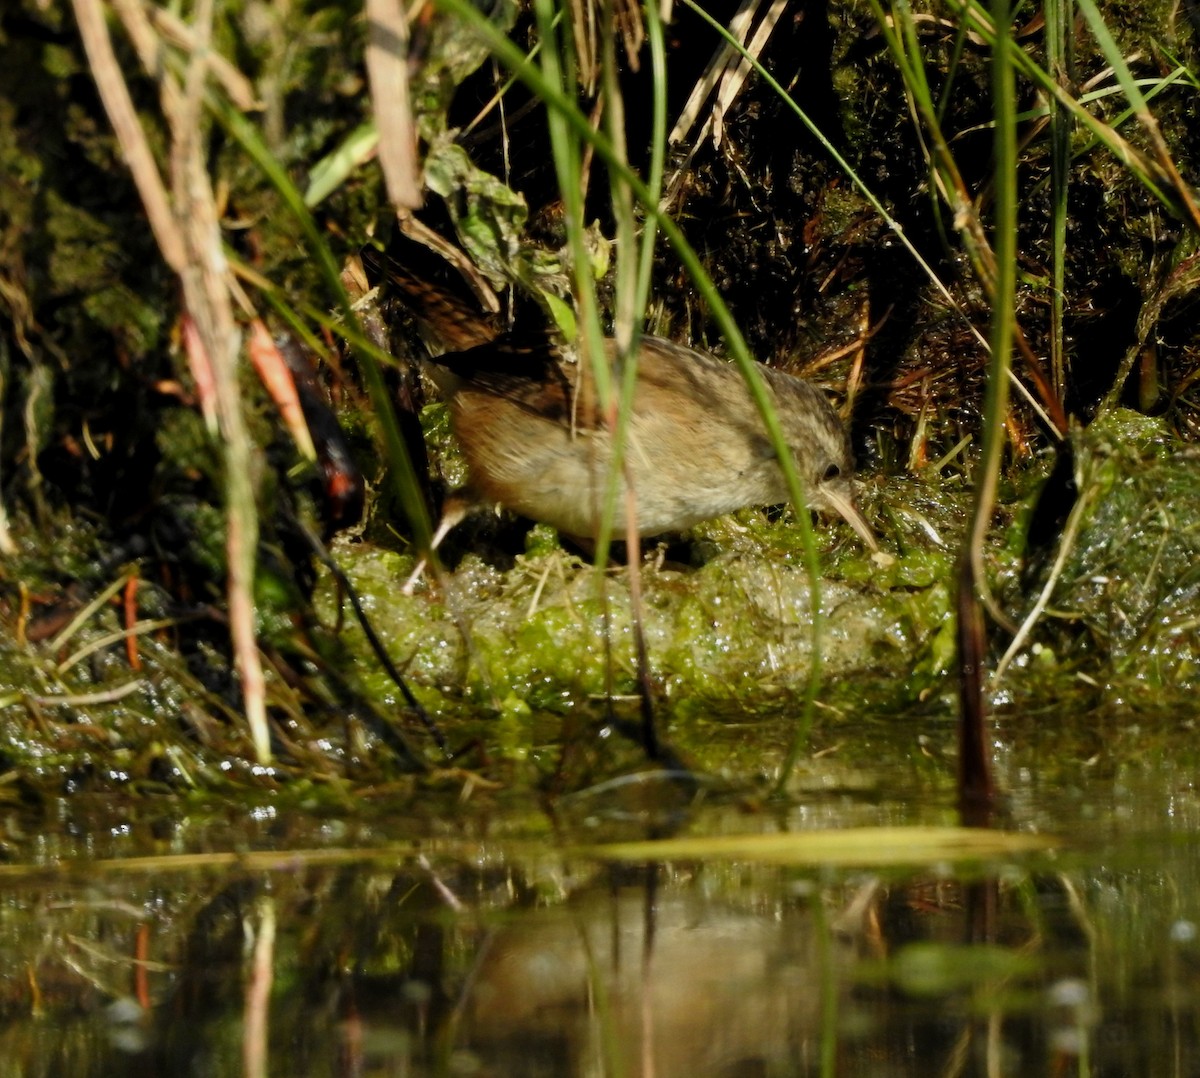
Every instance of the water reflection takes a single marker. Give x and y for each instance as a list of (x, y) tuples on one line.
[(470, 960), (655, 978)]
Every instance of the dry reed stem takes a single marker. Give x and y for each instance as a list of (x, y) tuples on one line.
[(239, 88), (387, 70), (121, 114), (187, 229)]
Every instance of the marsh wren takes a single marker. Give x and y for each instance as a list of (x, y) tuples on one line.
[(535, 441)]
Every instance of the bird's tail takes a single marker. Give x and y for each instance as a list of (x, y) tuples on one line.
[(447, 320)]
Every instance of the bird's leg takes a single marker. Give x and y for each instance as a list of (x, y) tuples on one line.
[(454, 512)]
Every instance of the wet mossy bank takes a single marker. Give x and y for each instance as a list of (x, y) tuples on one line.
[(510, 661), (1107, 616), (109, 473)]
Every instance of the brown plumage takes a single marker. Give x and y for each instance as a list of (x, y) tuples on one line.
[(535, 442)]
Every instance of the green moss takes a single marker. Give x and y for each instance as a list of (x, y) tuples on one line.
[(731, 637), (1130, 585)]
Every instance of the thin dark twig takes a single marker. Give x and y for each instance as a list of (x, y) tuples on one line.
[(650, 736), (319, 549), (974, 768), (645, 689)]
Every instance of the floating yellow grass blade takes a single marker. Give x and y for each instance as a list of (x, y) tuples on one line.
[(228, 860), (855, 847), (858, 847)]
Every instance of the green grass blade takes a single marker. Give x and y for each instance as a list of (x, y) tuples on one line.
[(1146, 172), (400, 467), (848, 169), (1058, 35), (564, 110)]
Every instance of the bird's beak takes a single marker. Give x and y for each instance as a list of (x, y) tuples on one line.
[(845, 508)]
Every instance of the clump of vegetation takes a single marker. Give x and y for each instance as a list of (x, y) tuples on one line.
[(855, 210)]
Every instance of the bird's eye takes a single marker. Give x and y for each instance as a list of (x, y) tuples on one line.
[(831, 473)]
